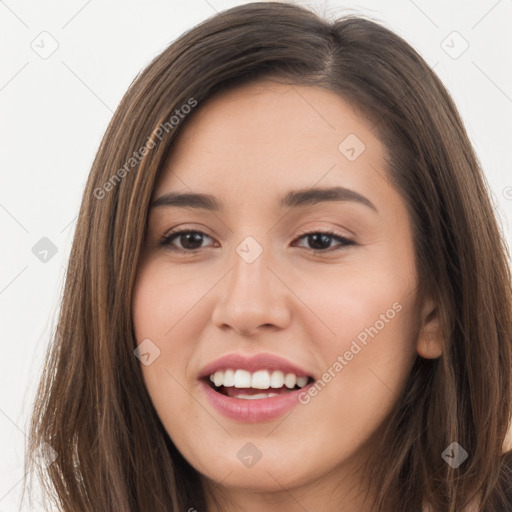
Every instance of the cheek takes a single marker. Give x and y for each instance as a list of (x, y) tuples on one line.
[(164, 304), (163, 312), (166, 312), (355, 307), (367, 347)]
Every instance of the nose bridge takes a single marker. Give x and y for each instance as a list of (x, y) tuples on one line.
[(252, 296), (249, 280)]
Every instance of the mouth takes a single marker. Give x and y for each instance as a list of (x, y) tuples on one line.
[(260, 385), (254, 387)]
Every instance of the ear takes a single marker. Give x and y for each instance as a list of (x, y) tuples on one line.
[(430, 341)]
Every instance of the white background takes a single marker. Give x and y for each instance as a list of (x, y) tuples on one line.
[(54, 111)]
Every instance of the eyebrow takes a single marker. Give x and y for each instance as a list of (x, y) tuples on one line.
[(294, 199)]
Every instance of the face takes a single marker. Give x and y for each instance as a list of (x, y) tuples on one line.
[(297, 272)]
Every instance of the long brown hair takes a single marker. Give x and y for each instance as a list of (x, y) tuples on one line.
[(92, 407)]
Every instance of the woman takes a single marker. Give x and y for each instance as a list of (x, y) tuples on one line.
[(287, 288)]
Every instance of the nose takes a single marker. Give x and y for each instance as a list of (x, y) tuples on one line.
[(253, 298)]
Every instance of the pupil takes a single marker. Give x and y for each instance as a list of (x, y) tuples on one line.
[(324, 241), (194, 236)]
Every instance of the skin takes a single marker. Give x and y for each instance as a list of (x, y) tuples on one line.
[(249, 147)]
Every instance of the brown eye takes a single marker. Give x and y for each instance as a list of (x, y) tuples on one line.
[(321, 240), (189, 240)]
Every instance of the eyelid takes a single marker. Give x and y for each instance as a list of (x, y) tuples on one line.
[(347, 242), (325, 231)]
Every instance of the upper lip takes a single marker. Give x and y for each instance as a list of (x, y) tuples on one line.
[(253, 363)]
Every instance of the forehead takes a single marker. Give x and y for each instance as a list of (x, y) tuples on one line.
[(273, 137)]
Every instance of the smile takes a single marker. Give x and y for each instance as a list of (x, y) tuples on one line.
[(245, 385), (253, 389)]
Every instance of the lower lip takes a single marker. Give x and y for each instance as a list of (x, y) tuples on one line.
[(252, 411)]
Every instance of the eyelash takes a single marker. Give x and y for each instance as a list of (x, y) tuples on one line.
[(166, 240)]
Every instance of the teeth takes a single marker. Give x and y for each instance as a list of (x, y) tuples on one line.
[(256, 396), (229, 378), (302, 381), (242, 379), (277, 380), (218, 378), (262, 379), (290, 380)]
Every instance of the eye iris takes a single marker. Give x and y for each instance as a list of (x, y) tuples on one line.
[(320, 240), (193, 237)]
